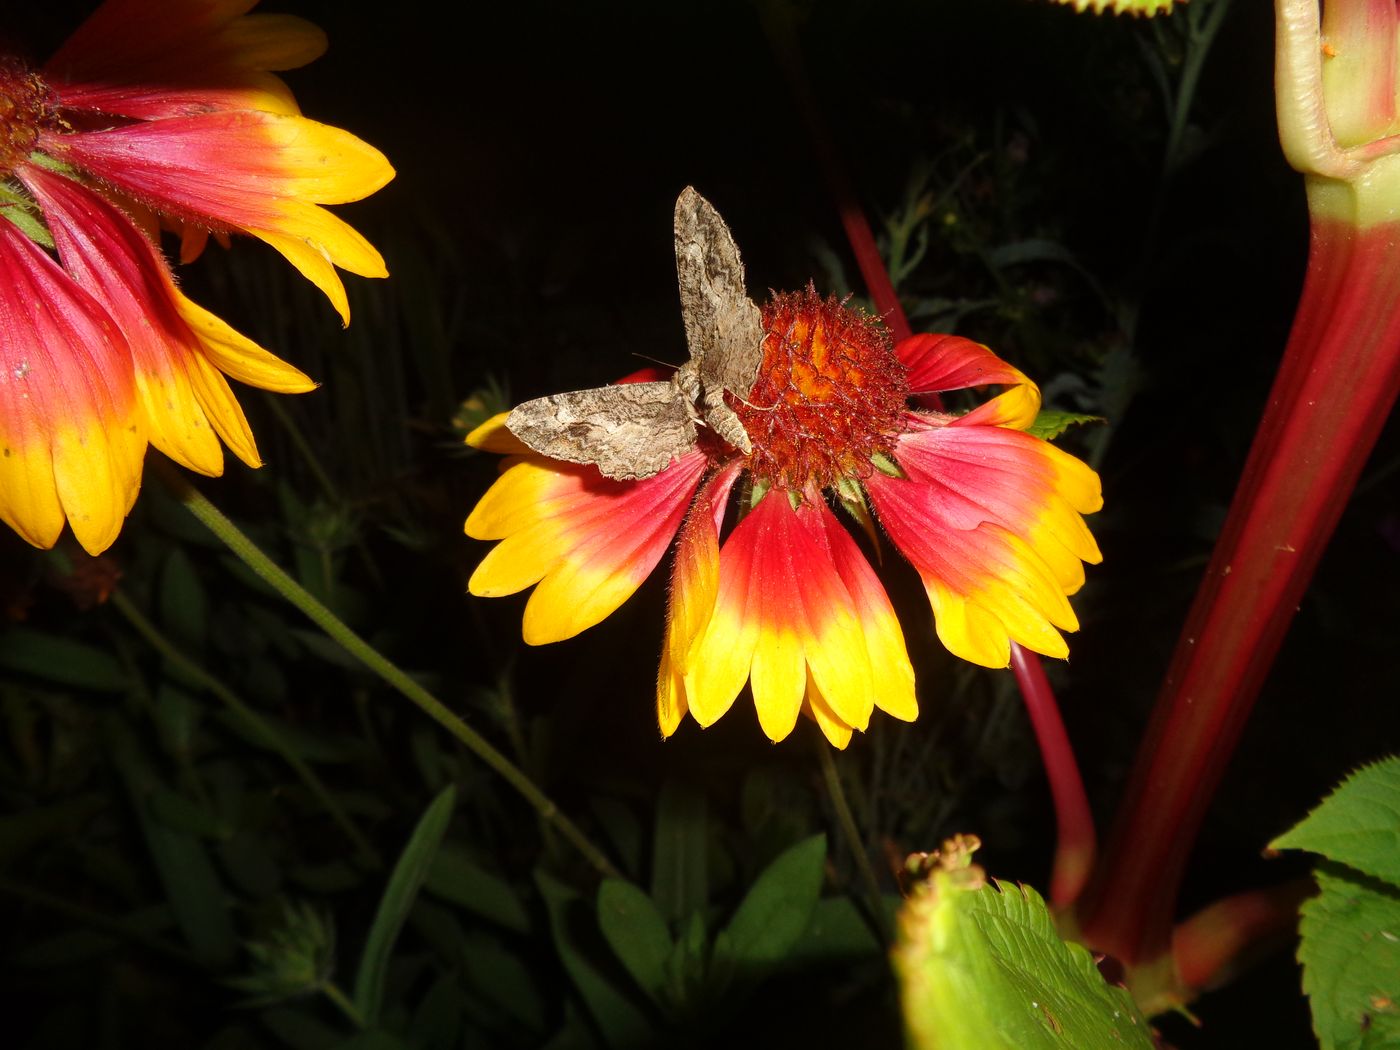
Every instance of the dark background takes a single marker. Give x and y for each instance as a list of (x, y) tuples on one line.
[(539, 150)]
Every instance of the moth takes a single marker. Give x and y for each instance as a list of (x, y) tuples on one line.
[(635, 430)]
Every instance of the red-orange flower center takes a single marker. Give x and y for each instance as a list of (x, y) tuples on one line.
[(829, 395), (26, 108)]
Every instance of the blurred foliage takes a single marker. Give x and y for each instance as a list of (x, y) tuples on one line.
[(217, 830)]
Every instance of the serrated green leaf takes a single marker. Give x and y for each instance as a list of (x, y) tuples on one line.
[(61, 660), (1049, 424), (621, 1023), (774, 913), (1123, 7), (982, 968), (637, 934), (1358, 824), (1350, 951), (394, 906), (679, 882)]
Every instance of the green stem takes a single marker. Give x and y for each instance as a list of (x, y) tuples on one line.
[(249, 553), (332, 991), (847, 821), (252, 721)]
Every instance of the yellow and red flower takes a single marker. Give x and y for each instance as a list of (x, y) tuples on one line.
[(989, 515), (155, 112)]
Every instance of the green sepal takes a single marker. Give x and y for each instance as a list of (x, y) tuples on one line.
[(20, 210), (852, 497), (1050, 424), (885, 465)]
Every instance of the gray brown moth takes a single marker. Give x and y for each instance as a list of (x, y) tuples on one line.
[(635, 430)]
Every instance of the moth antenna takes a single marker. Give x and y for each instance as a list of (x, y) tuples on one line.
[(656, 360)]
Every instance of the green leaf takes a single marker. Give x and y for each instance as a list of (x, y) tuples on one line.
[(774, 913), (299, 1030), (678, 864), (192, 885), (185, 815), (456, 877), (1049, 424), (982, 968), (408, 876), (1358, 824), (637, 934), (1350, 953), (373, 1039), (184, 609), (61, 660), (837, 932), (621, 1023)]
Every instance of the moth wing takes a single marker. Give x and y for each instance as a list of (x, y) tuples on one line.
[(723, 327), (629, 431)]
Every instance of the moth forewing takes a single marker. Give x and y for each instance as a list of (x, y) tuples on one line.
[(723, 327), (629, 431), (635, 430)]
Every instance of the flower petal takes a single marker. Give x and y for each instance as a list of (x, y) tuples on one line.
[(146, 59), (891, 673), (987, 586), (186, 403), (837, 732), (939, 363), (262, 173), (782, 610), (71, 437), (586, 540), (495, 436), (694, 585), (1028, 486)]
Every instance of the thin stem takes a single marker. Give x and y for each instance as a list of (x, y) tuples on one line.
[(847, 822), (1202, 26), (303, 447), (857, 227), (352, 643), (1075, 840), (332, 991), (253, 722)]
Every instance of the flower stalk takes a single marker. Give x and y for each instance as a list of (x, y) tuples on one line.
[(1338, 381), (1076, 841), (252, 556)]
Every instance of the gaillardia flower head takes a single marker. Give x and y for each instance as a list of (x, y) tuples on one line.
[(785, 599), (154, 113)]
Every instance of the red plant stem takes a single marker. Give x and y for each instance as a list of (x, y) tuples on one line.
[(1209, 947), (1339, 378), (838, 183), (1075, 838)]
